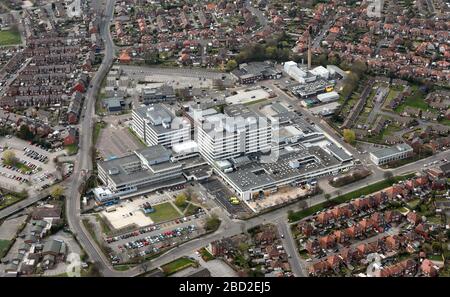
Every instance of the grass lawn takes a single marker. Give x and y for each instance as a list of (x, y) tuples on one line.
[(10, 200), (22, 167), (413, 203), (177, 265), (206, 256), (192, 210), (445, 122), (164, 212), (123, 267), (72, 149), (135, 136), (9, 37), (105, 227), (19, 165), (296, 216), (97, 128), (4, 244), (435, 257), (402, 210), (434, 220), (417, 100)]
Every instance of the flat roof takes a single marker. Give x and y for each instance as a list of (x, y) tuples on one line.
[(388, 151), (329, 106), (247, 96), (156, 115), (119, 167), (114, 102), (256, 175), (339, 152)]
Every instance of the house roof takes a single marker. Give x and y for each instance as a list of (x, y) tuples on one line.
[(54, 246)]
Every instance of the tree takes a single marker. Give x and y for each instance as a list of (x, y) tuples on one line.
[(25, 133), (212, 223), (231, 65), (359, 68), (436, 247), (57, 192), (180, 200), (271, 52), (388, 175), (349, 136), (9, 157), (327, 196)]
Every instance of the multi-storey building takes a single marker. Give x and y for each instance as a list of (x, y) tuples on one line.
[(238, 131), (155, 124)]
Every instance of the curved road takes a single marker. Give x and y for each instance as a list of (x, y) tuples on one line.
[(83, 163)]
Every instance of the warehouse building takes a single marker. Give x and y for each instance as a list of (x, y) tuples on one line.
[(390, 154), (145, 168), (249, 73), (328, 97), (162, 94)]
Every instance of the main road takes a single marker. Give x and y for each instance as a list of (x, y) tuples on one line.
[(83, 164)]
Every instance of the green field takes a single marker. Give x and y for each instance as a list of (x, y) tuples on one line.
[(4, 244), (191, 210), (19, 165), (413, 203), (9, 200), (417, 100), (188, 209), (444, 121), (9, 37), (296, 216), (164, 212), (72, 149), (206, 256), (97, 128), (177, 265)]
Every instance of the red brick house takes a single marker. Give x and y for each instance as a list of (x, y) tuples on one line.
[(353, 231), (327, 241), (429, 269), (325, 218), (413, 218), (340, 236), (393, 242), (71, 137), (313, 247), (377, 219), (305, 228), (422, 230), (366, 225), (333, 262), (391, 216), (318, 268)]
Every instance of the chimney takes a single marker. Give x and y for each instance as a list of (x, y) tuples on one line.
[(309, 47)]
